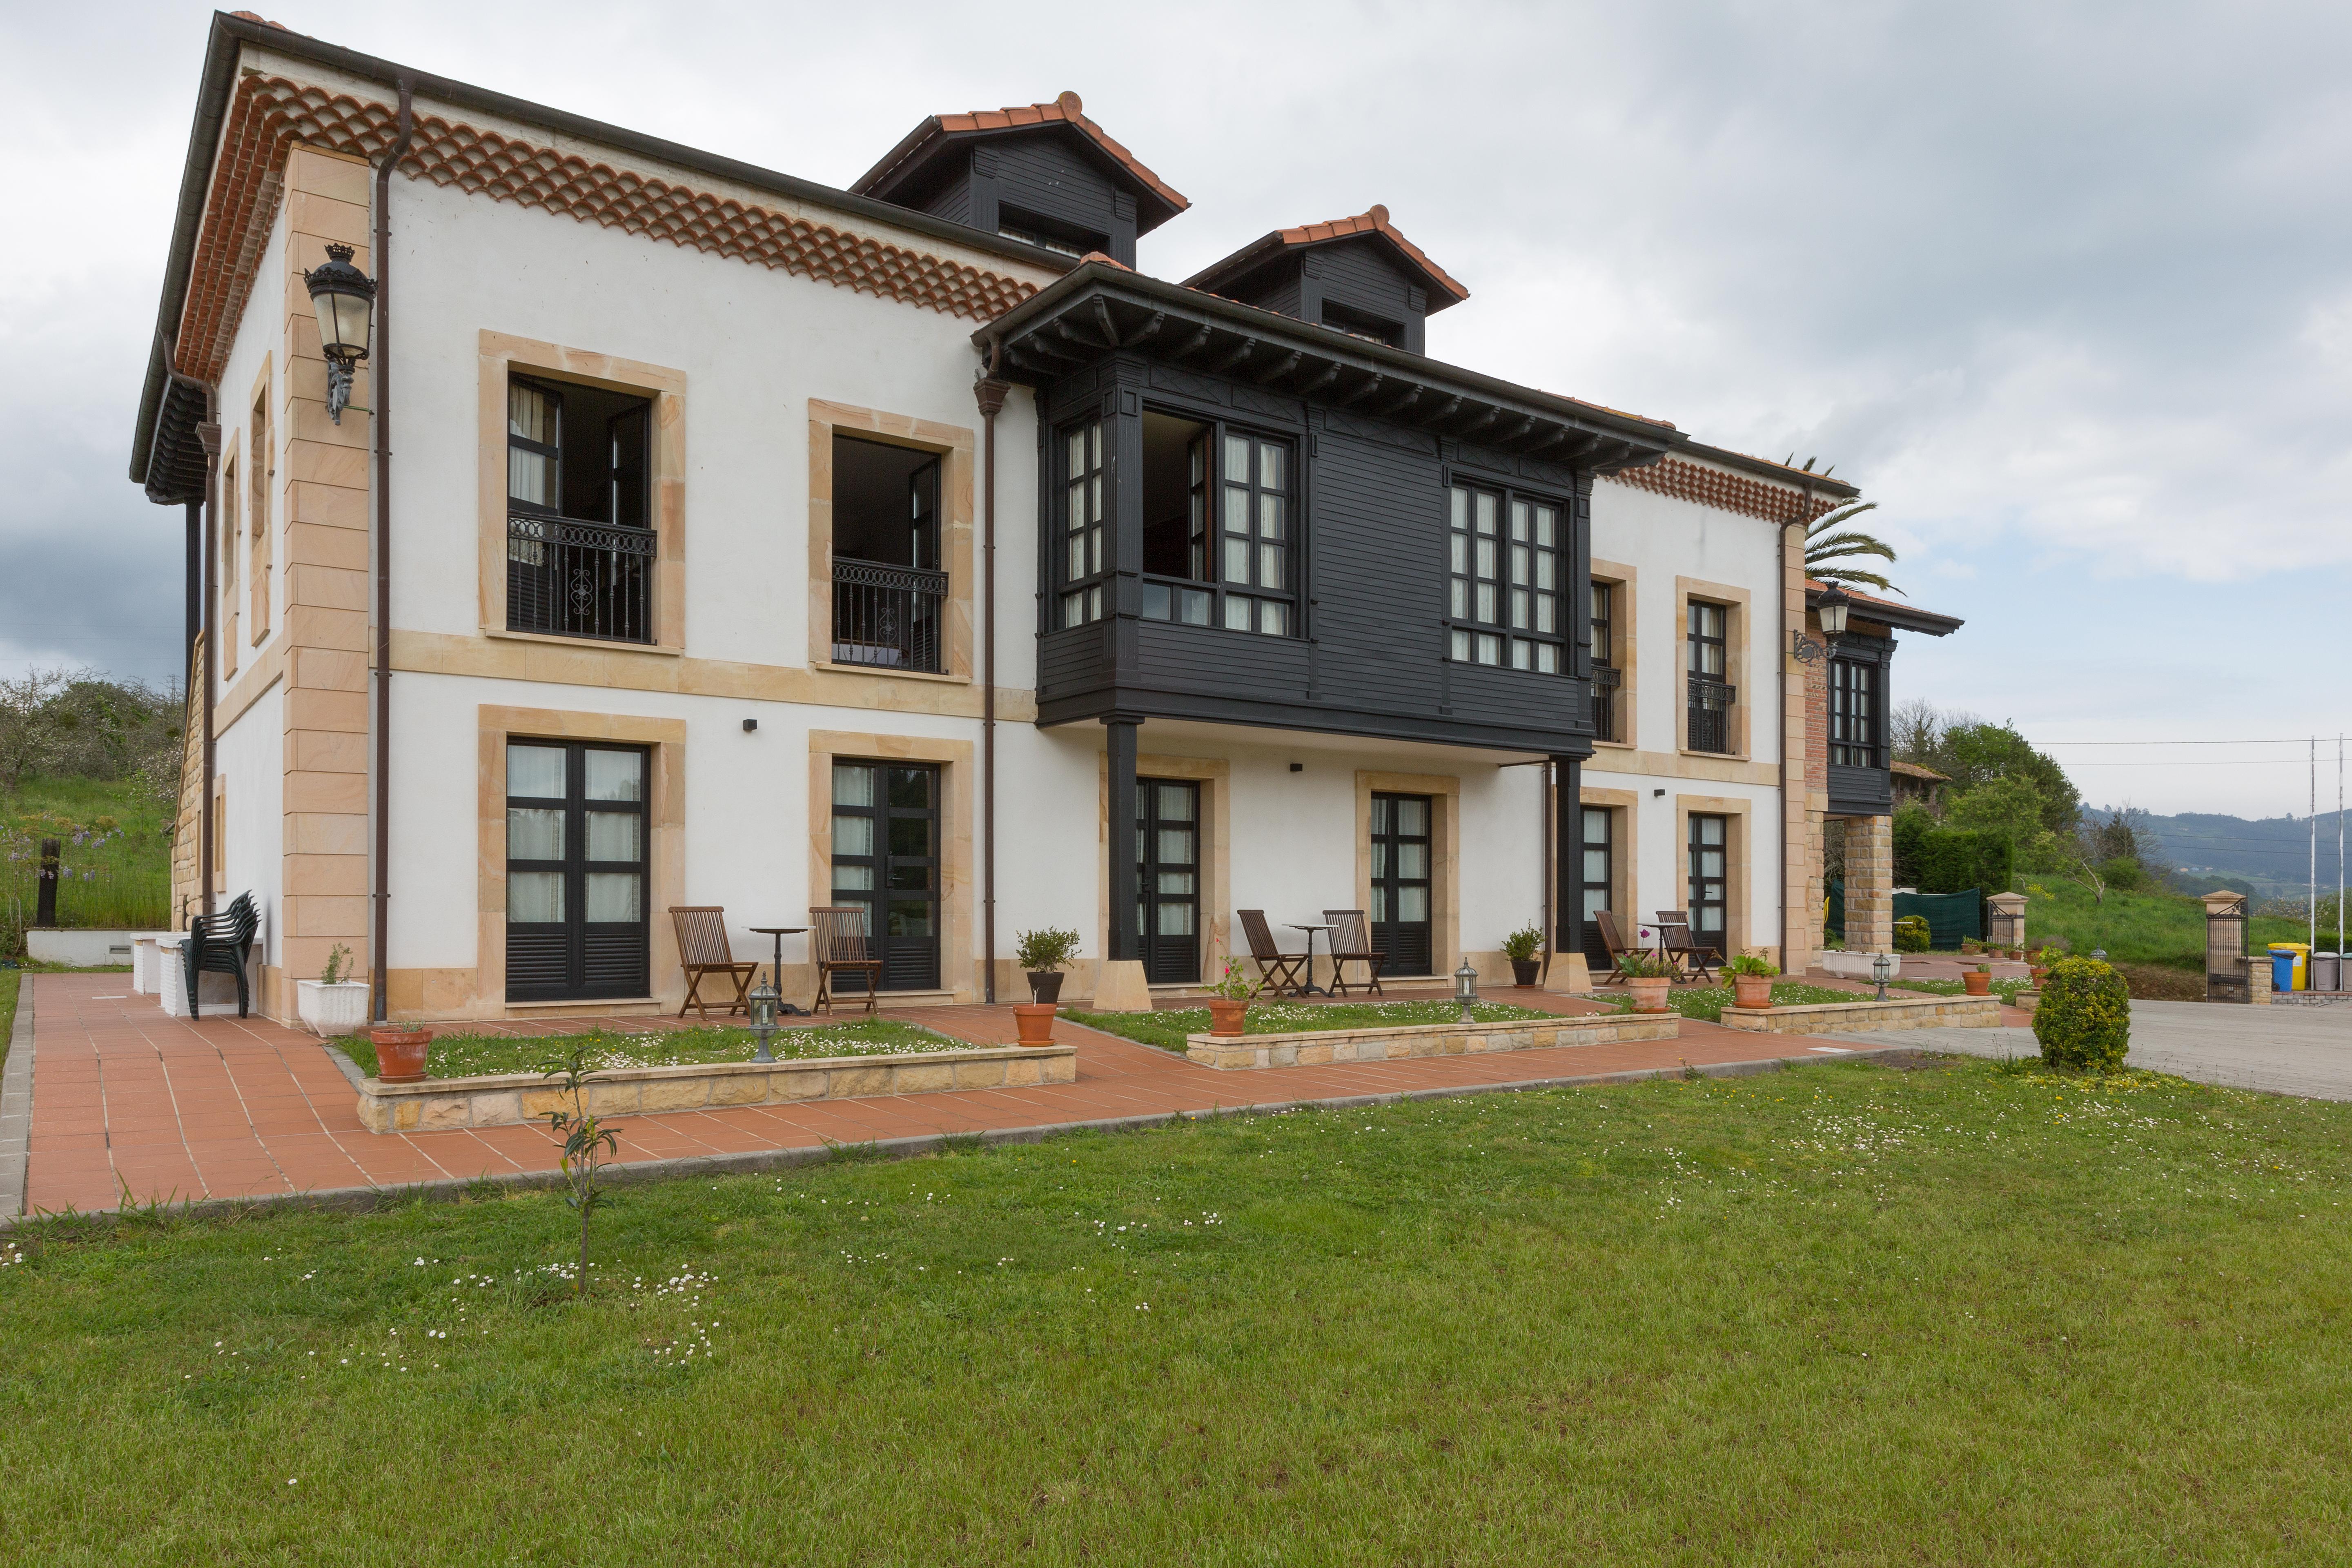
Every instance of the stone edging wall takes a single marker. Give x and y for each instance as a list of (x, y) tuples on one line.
[(505, 1099), (1917, 1013), (1320, 1048)]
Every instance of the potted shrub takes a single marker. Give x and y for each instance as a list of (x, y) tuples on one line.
[(400, 1053), (1751, 980), (1521, 947), (1229, 999), (1911, 934), (335, 1005), (1978, 978), (1649, 978), (1041, 953), (2084, 1021)]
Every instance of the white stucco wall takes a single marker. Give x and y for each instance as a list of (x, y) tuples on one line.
[(249, 757)]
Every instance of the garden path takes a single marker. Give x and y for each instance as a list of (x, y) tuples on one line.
[(129, 1103)]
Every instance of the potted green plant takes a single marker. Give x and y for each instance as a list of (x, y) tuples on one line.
[(335, 1005), (1751, 980), (400, 1051), (1648, 977), (1977, 979), (1229, 999), (1521, 947), (1041, 953)]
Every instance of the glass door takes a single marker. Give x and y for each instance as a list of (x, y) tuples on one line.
[(1400, 911), (1708, 837), (885, 859), (1168, 889), (1600, 857), (577, 925)]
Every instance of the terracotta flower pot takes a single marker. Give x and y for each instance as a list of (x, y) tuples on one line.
[(400, 1054), (1752, 991), (1226, 1015), (2039, 972), (1978, 981), (1036, 1022), (1650, 993), (1523, 971), (1046, 986)]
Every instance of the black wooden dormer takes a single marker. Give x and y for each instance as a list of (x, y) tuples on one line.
[(1356, 275), (1042, 172)]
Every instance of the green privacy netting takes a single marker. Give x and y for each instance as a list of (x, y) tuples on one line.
[(1950, 916)]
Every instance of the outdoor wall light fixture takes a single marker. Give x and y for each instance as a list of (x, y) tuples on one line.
[(1466, 988), (1881, 969), (344, 299), (763, 1018), (750, 726), (1835, 604)]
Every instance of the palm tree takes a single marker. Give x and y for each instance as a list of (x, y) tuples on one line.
[(1829, 538)]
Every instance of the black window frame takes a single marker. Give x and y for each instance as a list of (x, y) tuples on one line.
[(1697, 903), (1403, 941), (1175, 599), (1595, 951), (1608, 678), (1088, 591), (909, 961), (1515, 635), (1170, 959), (627, 974), (1857, 700), (1710, 695)]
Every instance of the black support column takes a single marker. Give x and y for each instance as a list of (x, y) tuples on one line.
[(1124, 854), (195, 579), (1568, 855)]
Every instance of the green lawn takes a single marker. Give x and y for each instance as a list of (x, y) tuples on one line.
[(1707, 1002), (2006, 990), (8, 980), (1844, 1314), (122, 881), (1167, 1027), (473, 1056)]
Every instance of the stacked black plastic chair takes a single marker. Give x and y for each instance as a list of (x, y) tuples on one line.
[(219, 943)]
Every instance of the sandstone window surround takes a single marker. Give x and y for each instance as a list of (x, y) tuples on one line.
[(261, 474), (481, 993), (1736, 622), (1624, 809), (1623, 653), (231, 541), (502, 357), (1738, 849), (953, 445), (1445, 793), (959, 969)]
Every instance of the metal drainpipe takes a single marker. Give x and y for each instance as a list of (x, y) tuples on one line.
[(990, 393), (1782, 665), (381, 391)]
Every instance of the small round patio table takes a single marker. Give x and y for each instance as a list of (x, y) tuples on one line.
[(776, 975), (1310, 988)]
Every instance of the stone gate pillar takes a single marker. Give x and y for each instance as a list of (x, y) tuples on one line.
[(1870, 884)]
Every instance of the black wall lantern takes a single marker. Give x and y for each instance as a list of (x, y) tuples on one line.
[(1835, 605), (344, 298)]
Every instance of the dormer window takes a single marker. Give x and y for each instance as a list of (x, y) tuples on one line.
[(1362, 324)]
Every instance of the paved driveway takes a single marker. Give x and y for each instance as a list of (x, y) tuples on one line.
[(2286, 1050)]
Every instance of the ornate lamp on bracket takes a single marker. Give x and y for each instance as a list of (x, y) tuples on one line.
[(1834, 606), (344, 299)]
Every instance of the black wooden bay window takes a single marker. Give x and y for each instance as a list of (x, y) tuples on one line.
[(1711, 696), (1082, 523), (1505, 576), (1219, 527), (1854, 727), (580, 541), (576, 871)]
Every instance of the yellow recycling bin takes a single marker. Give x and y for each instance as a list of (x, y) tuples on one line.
[(2302, 952)]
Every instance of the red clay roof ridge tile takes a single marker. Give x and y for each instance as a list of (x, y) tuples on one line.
[(1375, 221)]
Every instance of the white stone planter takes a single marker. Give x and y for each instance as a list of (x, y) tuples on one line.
[(333, 1011), (1857, 965)]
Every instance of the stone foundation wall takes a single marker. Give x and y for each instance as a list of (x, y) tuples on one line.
[(1320, 1048), (1919, 1013), (504, 1099)]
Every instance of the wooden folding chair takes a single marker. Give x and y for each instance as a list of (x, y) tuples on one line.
[(1351, 942), (1280, 970), (838, 943), (1614, 942), (1683, 951), (702, 951)]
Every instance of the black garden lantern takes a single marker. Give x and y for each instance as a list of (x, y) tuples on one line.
[(344, 299), (1835, 605)]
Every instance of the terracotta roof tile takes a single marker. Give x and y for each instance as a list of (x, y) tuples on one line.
[(1067, 109), (1375, 221)]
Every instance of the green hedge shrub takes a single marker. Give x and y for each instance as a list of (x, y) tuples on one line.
[(1911, 934), (2084, 1020), (1954, 859)]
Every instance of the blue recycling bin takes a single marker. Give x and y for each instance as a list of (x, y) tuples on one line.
[(2282, 971)]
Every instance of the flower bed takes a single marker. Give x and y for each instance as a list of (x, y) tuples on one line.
[(462, 1055), (1169, 1028)]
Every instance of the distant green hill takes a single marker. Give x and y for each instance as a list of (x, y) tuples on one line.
[(2270, 857)]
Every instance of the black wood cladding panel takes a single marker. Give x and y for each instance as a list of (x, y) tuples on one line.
[(953, 200), (1376, 548), (1861, 792), (1356, 273), (1041, 175), (1210, 661)]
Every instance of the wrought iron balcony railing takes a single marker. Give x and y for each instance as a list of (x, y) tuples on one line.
[(1606, 682), (570, 578), (888, 616), (1710, 714)]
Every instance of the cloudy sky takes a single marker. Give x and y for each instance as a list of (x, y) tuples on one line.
[(2066, 289)]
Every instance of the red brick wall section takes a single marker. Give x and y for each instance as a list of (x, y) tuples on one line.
[(1686, 481), (270, 113)]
